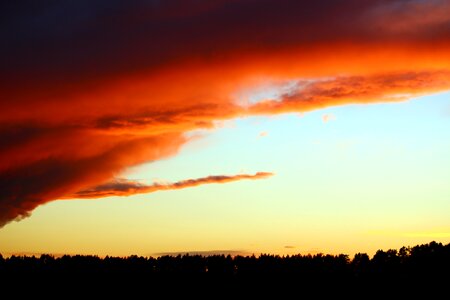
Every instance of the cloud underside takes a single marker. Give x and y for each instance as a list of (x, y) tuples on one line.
[(89, 90)]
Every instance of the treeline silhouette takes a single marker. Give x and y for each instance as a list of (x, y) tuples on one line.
[(408, 266)]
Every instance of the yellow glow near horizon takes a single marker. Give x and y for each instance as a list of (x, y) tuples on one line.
[(386, 189)]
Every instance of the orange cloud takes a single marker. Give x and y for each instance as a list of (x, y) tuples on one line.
[(328, 117), (124, 187), (387, 87), (263, 134), (119, 84), (26, 186)]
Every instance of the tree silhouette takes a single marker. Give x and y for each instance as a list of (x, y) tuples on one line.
[(408, 269)]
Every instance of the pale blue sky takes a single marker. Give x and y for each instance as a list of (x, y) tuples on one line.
[(373, 176)]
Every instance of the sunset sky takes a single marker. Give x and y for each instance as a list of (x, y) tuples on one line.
[(269, 126)]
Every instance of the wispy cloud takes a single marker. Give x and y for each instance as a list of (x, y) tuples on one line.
[(367, 89), (204, 253), (123, 187), (328, 117), (263, 134)]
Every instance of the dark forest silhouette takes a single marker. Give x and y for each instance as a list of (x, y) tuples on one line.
[(410, 267)]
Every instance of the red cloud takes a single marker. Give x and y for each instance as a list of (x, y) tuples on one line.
[(90, 89)]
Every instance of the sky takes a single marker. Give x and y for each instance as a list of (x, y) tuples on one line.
[(155, 127)]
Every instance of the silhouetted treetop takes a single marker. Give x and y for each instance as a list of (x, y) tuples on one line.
[(408, 266)]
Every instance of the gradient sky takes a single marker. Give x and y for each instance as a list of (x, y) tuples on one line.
[(340, 109)]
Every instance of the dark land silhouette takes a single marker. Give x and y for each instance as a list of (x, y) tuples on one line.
[(407, 270)]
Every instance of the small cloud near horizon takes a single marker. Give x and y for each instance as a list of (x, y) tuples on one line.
[(204, 253)]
